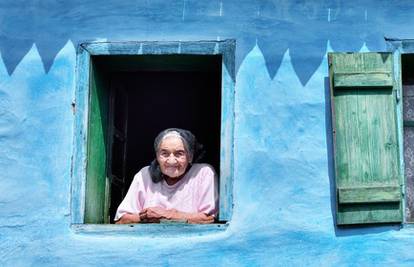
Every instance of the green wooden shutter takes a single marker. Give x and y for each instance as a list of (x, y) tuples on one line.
[(365, 138), (96, 191)]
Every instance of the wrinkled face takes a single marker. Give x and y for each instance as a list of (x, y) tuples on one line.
[(172, 157)]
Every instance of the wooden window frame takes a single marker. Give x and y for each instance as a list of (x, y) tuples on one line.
[(399, 47), (85, 51)]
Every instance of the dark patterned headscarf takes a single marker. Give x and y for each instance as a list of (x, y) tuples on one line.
[(194, 150)]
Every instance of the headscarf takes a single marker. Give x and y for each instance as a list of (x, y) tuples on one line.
[(194, 150)]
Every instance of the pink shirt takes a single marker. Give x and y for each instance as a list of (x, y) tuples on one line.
[(196, 192)]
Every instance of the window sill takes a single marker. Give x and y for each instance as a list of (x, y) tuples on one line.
[(145, 230)]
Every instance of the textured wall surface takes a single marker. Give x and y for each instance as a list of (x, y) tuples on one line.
[(283, 202)]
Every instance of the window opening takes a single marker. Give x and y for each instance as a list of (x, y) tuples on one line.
[(132, 99)]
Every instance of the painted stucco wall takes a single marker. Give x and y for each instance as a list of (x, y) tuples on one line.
[(283, 169)]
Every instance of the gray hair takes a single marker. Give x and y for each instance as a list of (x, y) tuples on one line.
[(173, 133), (193, 148)]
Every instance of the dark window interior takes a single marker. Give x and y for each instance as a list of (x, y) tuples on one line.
[(150, 93), (407, 62), (407, 66)]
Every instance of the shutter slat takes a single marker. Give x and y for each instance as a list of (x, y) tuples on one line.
[(365, 80), (369, 194), (373, 213)]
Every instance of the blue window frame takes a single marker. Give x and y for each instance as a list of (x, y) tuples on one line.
[(85, 52), (403, 55)]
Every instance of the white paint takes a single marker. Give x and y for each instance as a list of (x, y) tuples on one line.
[(364, 48), (329, 47), (183, 14), (329, 15), (221, 9), (101, 40), (140, 49)]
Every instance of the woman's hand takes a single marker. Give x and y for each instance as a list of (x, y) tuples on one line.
[(129, 218), (199, 218), (148, 215), (155, 214)]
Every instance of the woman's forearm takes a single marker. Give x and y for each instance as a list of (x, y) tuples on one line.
[(199, 217), (194, 218), (128, 218)]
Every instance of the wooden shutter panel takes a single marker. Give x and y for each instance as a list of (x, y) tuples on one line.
[(365, 138), (96, 178)]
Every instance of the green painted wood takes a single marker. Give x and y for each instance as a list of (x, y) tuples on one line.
[(373, 213), (400, 127), (368, 80), (361, 62), (369, 194), (365, 138), (96, 176)]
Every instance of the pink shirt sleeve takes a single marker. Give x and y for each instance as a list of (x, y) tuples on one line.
[(208, 192), (131, 202)]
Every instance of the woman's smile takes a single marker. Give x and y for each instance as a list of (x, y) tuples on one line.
[(172, 157)]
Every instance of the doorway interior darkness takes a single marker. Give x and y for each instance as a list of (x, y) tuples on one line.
[(146, 94)]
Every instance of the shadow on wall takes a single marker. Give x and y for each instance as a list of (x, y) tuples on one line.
[(343, 230), (329, 146), (268, 23)]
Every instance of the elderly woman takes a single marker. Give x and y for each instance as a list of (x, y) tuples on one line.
[(173, 187)]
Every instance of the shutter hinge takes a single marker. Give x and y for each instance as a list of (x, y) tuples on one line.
[(398, 95)]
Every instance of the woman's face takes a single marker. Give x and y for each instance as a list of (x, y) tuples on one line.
[(172, 157)]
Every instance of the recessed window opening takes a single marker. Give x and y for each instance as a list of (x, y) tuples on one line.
[(407, 66), (134, 97)]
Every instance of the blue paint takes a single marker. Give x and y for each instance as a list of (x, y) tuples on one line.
[(277, 25), (79, 145), (283, 178)]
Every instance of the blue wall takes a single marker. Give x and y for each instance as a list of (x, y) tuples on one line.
[(283, 207)]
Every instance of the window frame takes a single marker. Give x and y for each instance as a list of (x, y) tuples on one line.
[(398, 47), (85, 50)]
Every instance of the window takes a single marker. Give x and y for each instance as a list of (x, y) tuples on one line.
[(407, 67), (123, 90), (366, 138)]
